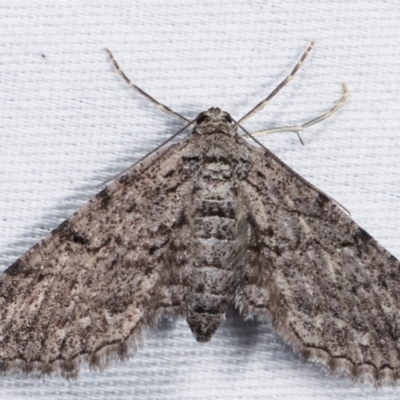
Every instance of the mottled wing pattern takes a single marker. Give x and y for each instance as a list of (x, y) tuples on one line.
[(329, 288), (92, 287)]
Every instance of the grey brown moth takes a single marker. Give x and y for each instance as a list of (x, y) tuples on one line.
[(207, 223)]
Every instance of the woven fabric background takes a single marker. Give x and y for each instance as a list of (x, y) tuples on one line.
[(68, 122)]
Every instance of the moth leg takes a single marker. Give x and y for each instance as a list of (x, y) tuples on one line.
[(160, 106), (298, 128), (263, 103), (256, 293), (146, 155)]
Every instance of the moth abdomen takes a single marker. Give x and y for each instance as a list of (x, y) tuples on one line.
[(214, 221)]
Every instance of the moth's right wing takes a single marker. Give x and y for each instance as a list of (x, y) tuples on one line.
[(89, 290), (330, 289)]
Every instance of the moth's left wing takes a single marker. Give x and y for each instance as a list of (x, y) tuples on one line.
[(90, 289), (329, 288)]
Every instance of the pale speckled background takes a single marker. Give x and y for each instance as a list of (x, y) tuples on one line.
[(68, 122)]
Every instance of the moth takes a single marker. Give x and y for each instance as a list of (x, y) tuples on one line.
[(207, 223)]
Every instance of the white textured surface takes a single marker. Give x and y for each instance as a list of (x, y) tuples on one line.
[(68, 122)]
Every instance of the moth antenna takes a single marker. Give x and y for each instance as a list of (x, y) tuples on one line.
[(264, 102), (298, 128), (160, 106)]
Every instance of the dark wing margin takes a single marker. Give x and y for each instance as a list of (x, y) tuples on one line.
[(329, 288), (91, 289)]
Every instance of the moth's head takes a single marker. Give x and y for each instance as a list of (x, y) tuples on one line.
[(215, 120)]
